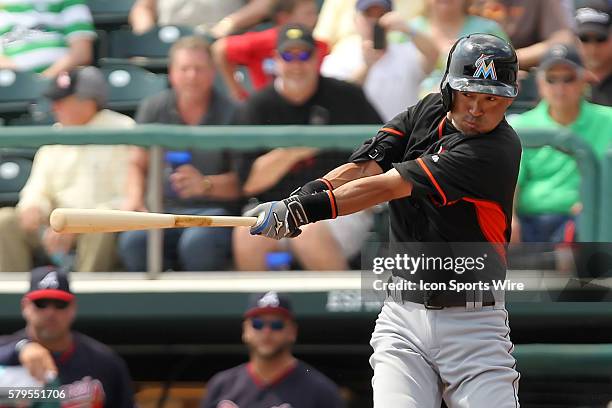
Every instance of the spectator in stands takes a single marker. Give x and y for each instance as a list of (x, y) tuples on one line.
[(593, 20), (219, 18), (300, 96), (336, 22), (273, 377), (88, 176), (391, 76), (533, 26), (255, 50), (548, 199), (445, 21), (89, 373), (201, 183), (45, 36)]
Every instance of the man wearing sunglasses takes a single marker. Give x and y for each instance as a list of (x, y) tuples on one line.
[(273, 377), (593, 21), (548, 191), (91, 375)]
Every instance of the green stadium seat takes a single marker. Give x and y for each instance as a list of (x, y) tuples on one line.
[(18, 90), (149, 50), (128, 85), (15, 166), (110, 12)]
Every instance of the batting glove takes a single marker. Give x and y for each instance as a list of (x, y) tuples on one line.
[(279, 219)]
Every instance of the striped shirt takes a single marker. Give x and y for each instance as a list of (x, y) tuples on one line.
[(34, 34)]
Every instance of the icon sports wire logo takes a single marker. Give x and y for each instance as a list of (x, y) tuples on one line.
[(484, 69)]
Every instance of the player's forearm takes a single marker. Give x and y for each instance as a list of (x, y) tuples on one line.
[(352, 171), (366, 192)]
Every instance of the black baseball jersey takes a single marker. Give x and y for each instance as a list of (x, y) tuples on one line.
[(463, 185), (90, 373), (301, 387)]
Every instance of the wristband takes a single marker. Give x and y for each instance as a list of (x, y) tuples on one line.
[(320, 206)]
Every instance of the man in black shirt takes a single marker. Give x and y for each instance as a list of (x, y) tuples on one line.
[(272, 377), (300, 96), (90, 374), (594, 22), (448, 167)]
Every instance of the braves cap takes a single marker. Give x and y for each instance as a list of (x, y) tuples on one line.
[(49, 283), (292, 35), (561, 54), (363, 5), (270, 302), (85, 83), (594, 17)]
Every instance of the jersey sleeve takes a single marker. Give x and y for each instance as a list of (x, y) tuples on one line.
[(244, 48), (8, 355), (213, 391), (122, 394), (473, 169), (389, 144)]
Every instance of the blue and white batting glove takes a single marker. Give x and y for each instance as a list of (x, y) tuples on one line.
[(279, 219)]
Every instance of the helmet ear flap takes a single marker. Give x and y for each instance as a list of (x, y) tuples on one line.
[(445, 89)]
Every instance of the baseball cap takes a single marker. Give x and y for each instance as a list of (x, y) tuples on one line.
[(291, 35), (269, 302), (86, 83), (49, 283), (363, 5), (594, 16), (561, 54)]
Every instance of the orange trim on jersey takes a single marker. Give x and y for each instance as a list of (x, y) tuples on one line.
[(441, 127), (492, 221), (327, 183), (332, 201), (433, 179), (391, 130)]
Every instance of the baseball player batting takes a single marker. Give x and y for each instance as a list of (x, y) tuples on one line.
[(448, 167)]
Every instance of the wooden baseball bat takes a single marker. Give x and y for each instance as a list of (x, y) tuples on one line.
[(74, 220)]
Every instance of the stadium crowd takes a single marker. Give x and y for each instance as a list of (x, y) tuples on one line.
[(270, 62)]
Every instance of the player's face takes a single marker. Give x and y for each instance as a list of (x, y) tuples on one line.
[(298, 67), (562, 86), (191, 72), (269, 335), (50, 319), (475, 113), (597, 50)]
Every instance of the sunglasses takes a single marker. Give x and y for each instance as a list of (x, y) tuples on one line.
[(56, 303), (593, 38), (300, 56), (567, 79), (274, 325)]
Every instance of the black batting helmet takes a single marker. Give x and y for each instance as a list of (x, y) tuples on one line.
[(480, 63)]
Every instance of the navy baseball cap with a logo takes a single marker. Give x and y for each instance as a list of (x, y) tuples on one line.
[(48, 283), (294, 35), (270, 302)]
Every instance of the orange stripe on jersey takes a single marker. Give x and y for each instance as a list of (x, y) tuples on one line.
[(391, 130), (492, 221), (433, 179)]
